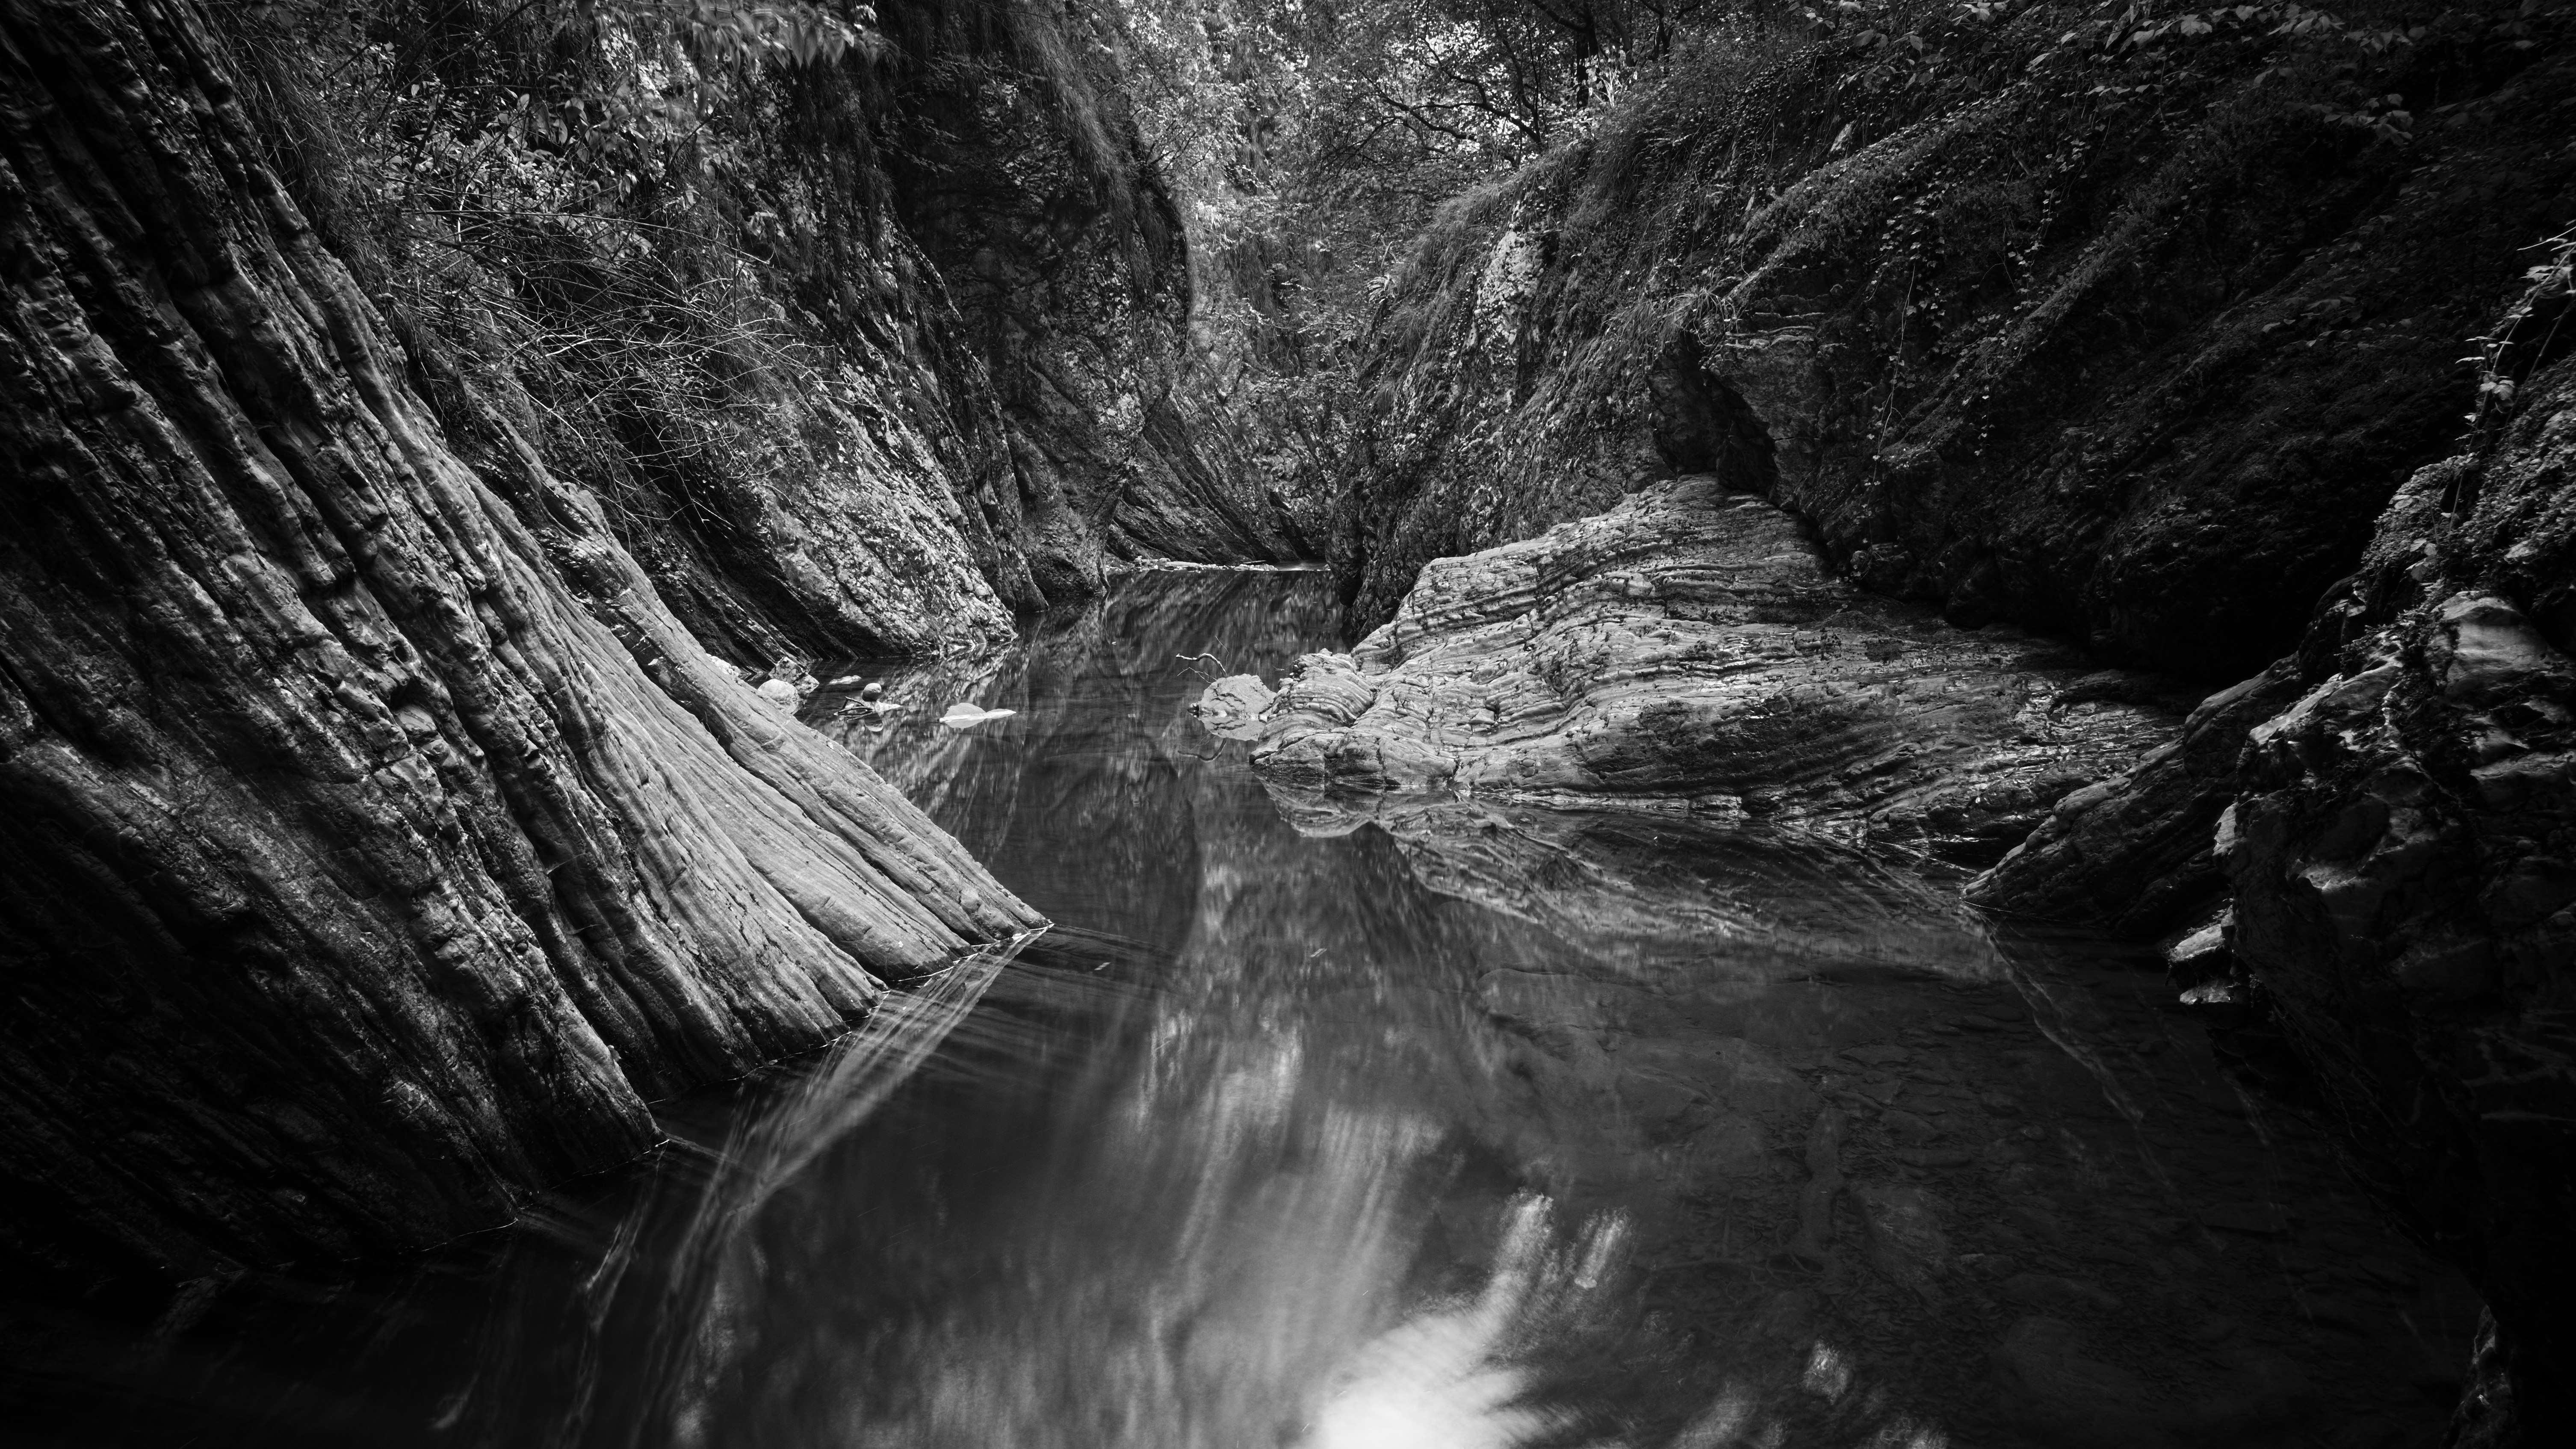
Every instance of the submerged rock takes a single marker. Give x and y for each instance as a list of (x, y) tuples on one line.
[(2048, 1291), (1689, 649), (2049, 1389), (1741, 898), (1906, 1244)]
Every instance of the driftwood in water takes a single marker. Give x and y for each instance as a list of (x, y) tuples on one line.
[(373, 842)]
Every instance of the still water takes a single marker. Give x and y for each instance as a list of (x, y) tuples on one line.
[(1331, 1124)]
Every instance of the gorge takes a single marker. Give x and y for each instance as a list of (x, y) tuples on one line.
[(1869, 739)]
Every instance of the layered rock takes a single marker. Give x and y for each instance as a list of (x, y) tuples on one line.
[(1690, 649), (2125, 340), (862, 357), (2133, 853), (2392, 808), (377, 841), (2403, 851), (1066, 258)]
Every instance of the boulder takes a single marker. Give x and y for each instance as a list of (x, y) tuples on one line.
[(1690, 650)]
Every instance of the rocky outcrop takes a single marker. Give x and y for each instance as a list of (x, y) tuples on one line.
[(1066, 258), (1690, 650), (376, 840), (2403, 851), (2392, 809), (863, 357), (2132, 853), (2125, 339)]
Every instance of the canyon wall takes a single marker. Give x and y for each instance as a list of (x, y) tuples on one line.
[(378, 838), (864, 357), (2161, 343), (2123, 341), (2387, 815)]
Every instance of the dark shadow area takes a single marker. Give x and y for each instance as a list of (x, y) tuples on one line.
[(1702, 425)]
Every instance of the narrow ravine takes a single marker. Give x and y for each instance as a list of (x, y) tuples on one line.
[(1306, 1137)]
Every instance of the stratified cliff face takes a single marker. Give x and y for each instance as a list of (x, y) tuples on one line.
[(2128, 337), (375, 839), (2122, 338)]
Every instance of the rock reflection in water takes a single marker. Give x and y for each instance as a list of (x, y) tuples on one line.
[(1647, 888), (1211, 1258), (1439, 1126)]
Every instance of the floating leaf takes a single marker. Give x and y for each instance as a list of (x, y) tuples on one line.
[(963, 715)]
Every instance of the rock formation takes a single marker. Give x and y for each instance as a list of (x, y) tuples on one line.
[(2127, 345), (2127, 338), (1064, 256), (376, 839), (2391, 807), (859, 358), (1689, 649)]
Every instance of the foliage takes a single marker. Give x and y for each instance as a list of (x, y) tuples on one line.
[(1919, 195), (2532, 333), (1312, 140), (531, 181)]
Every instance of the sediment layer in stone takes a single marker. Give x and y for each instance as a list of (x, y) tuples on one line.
[(375, 842), (1689, 649)]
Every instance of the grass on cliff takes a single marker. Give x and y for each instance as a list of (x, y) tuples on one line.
[(659, 235), (1806, 148)]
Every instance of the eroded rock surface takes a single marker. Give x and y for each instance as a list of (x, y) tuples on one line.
[(1689, 649), (1064, 258), (2135, 374), (2404, 858), (376, 841), (2394, 808), (2132, 853)]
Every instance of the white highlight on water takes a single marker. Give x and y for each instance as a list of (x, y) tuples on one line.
[(1453, 1376)]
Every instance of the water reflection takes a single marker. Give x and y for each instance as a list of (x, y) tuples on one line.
[(1448, 1127)]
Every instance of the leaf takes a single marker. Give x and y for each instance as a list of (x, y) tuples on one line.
[(963, 715)]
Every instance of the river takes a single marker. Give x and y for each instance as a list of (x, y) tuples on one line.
[(1441, 1125)]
